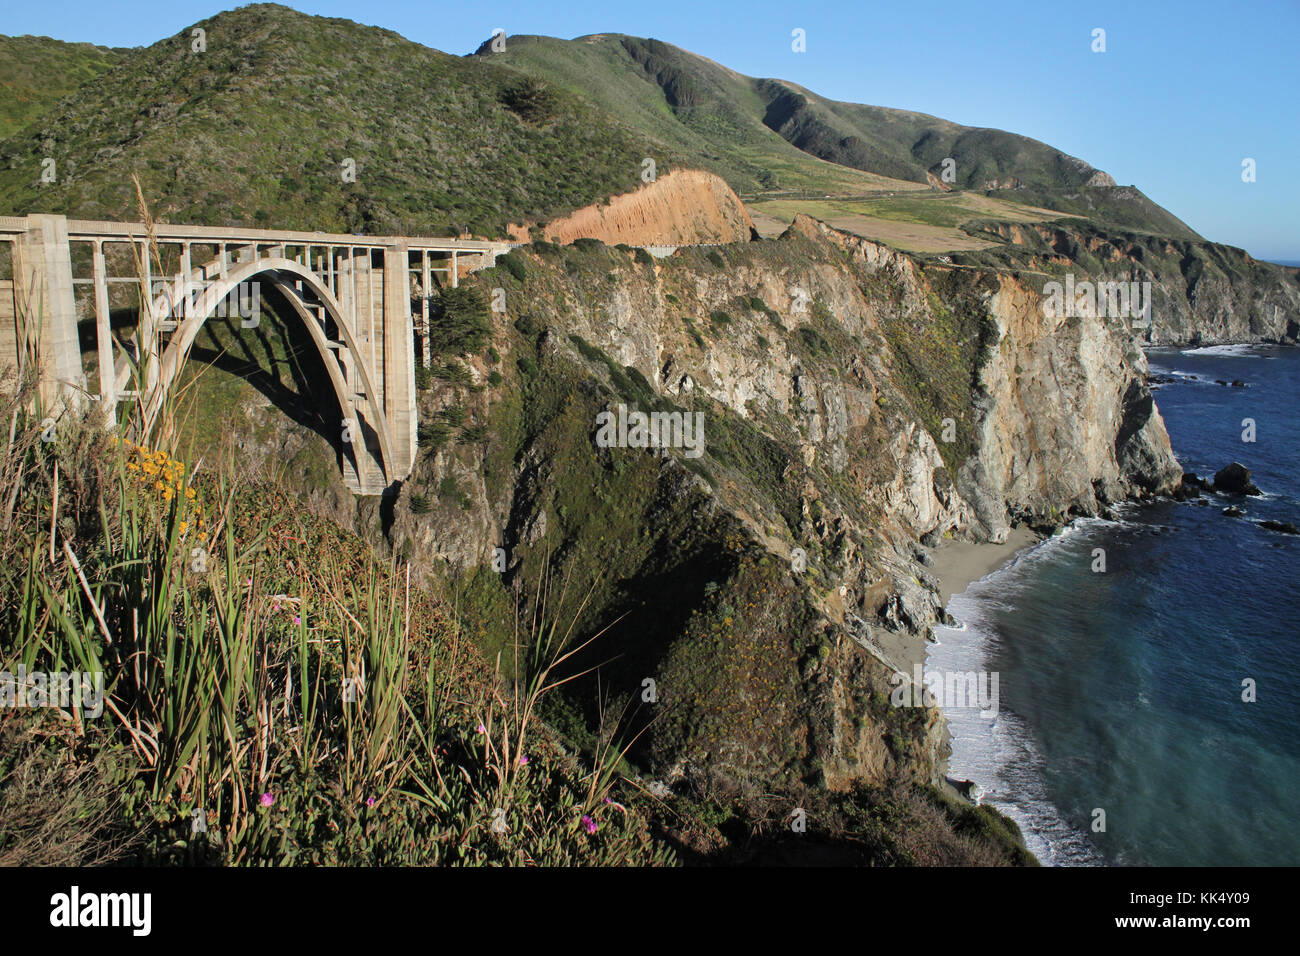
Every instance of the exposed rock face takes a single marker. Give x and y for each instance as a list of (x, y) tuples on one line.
[(1203, 293), (833, 371), (1069, 422), (683, 206)]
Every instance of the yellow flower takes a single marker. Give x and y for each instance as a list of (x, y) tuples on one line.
[(185, 526), (189, 493)]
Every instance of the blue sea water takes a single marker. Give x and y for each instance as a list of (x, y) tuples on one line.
[(1121, 691)]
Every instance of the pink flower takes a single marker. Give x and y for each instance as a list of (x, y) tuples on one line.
[(523, 759), (588, 824), (297, 619), (482, 729), (370, 801), (268, 799)]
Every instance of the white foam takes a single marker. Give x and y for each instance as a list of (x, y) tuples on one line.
[(1228, 351), (998, 752)]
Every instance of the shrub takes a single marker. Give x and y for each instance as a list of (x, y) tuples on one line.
[(432, 434), (452, 372), (473, 435), (814, 341), (530, 99), (514, 264), (458, 321)]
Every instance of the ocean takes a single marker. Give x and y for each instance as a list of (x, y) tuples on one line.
[(1121, 735)]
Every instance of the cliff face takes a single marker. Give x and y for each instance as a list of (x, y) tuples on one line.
[(854, 400), (683, 206), (1203, 293), (1068, 423)]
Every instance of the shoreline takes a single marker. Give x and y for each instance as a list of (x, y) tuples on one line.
[(959, 564), (956, 566)]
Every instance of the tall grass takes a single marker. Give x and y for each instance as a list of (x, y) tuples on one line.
[(276, 691)]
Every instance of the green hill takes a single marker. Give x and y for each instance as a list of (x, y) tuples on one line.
[(712, 115), (760, 134), (36, 72), (258, 128), (256, 131)]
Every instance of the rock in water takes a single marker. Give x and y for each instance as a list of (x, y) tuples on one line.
[(1285, 527), (1235, 479), (1190, 487), (1232, 511)]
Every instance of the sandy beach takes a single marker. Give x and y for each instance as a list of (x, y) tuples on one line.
[(957, 564)]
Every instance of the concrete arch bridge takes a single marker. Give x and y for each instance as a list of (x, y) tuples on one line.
[(362, 299)]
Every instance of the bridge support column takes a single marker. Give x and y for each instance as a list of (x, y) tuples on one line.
[(47, 310), (399, 359)]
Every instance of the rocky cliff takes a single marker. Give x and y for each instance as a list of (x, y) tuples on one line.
[(1204, 293), (854, 400)]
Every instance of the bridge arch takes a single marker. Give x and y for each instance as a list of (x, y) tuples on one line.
[(355, 295), (292, 279)]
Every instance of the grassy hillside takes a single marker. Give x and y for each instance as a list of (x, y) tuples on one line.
[(760, 134), (710, 114), (259, 127), (923, 221), (36, 72), (256, 131)]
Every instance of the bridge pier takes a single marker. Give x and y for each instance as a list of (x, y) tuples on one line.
[(399, 356), (45, 312)]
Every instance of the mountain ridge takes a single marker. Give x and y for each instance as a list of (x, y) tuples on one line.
[(639, 97)]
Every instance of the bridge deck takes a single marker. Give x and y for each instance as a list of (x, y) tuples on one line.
[(168, 232)]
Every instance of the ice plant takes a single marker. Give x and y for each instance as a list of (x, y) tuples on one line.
[(588, 824), (268, 799)]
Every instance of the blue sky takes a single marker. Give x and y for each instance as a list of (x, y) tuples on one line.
[(1184, 92)]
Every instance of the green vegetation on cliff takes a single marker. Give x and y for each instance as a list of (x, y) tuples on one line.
[(266, 126), (270, 122), (767, 136), (36, 72)]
